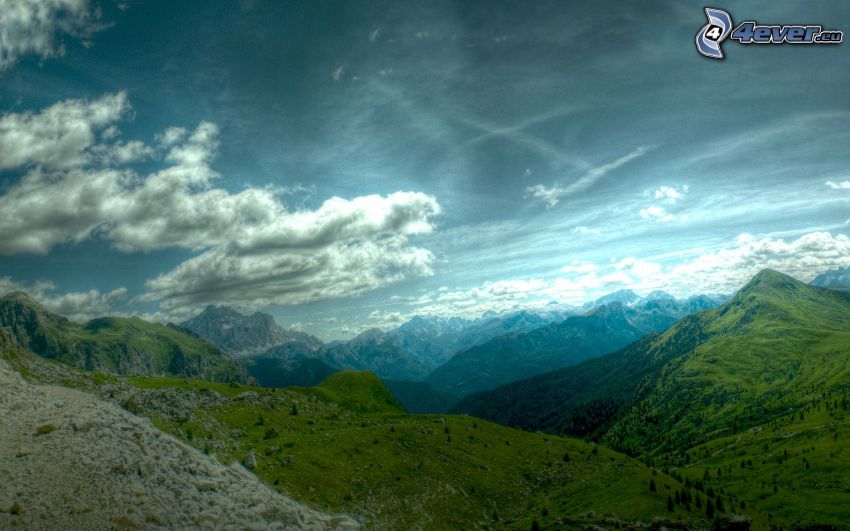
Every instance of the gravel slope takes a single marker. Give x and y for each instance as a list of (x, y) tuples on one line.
[(69, 460)]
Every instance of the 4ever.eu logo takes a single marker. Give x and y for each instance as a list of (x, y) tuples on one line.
[(710, 37)]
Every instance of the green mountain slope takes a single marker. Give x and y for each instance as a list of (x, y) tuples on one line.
[(771, 349), (733, 388), (114, 344), (347, 445)]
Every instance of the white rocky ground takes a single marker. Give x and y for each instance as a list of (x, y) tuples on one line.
[(69, 460)]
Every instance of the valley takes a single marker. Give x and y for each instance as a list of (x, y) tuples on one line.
[(735, 416)]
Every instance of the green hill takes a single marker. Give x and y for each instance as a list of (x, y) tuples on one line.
[(116, 345), (358, 391), (347, 446), (721, 397)]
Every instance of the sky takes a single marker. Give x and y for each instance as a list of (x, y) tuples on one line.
[(349, 164)]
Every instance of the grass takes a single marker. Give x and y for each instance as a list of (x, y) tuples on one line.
[(175, 382), (764, 399), (345, 446), (795, 470)]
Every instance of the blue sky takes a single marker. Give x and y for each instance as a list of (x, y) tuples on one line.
[(343, 165)]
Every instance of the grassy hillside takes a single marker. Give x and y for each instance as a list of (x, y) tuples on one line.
[(775, 347), (347, 446), (732, 388), (114, 344)]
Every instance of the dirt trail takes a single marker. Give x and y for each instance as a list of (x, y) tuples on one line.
[(71, 461)]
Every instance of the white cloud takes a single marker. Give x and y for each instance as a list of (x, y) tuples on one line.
[(670, 194), (656, 213), (386, 319), (582, 230), (551, 196), (83, 306), (77, 306), (37, 27), (843, 185), (254, 250), (720, 271), (291, 275), (60, 136)]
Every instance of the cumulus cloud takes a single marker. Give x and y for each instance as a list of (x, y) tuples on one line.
[(670, 194), (384, 319), (291, 275), (552, 195), (62, 135), (656, 213), (37, 27), (843, 185), (726, 269), (253, 248), (76, 306)]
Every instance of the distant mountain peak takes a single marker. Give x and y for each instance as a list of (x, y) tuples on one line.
[(659, 295), (833, 278), (241, 335), (625, 296)]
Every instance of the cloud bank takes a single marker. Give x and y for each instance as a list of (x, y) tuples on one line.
[(253, 248), (724, 270)]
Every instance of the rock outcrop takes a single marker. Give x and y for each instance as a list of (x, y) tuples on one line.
[(70, 460)]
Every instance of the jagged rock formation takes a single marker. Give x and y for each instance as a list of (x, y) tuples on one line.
[(245, 335)]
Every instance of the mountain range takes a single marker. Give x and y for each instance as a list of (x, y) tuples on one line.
[(734, 416), (753, 395), (409, 352), (613, 322), (773, 322)]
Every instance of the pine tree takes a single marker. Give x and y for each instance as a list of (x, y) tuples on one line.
[(709, 509), (651, 485)]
